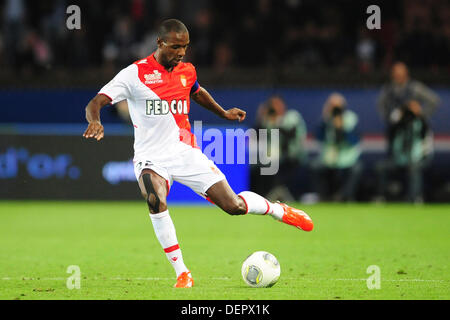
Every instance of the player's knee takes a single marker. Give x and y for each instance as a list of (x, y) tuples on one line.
[(156, 203), (153, 193), (144, 194)]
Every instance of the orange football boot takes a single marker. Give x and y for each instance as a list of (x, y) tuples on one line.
[(184, 280), (296, 218)]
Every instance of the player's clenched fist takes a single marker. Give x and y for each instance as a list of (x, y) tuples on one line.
[(235, 114), (94, 130)]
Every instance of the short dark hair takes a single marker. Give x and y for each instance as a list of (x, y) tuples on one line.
[(170, 25)]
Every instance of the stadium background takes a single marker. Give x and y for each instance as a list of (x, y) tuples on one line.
[(244, 51)]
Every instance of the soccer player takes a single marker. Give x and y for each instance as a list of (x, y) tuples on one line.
[(157, 90)]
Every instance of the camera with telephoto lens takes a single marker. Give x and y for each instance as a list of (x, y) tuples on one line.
[(271, 111), (336, 111), (407, 115)]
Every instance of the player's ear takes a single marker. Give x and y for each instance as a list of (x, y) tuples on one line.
[(159, 42)]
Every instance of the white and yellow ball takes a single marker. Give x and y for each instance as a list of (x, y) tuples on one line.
[(261, 269)]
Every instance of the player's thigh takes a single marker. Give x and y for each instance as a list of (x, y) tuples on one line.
[(201, 175), (196, 171), (150, 180)]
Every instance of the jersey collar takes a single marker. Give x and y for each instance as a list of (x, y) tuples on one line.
[(159, 66)]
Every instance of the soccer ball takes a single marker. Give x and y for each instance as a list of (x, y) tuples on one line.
[(261, 269)]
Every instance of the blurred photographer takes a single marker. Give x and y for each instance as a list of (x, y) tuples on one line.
[(406, 106), (337, 168), (272, 114), (404, 94)]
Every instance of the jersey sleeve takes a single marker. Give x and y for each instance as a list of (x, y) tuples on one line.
[(120, 87)]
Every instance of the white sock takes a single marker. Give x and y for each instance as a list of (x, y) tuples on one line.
[(165, 232), (259, 205)]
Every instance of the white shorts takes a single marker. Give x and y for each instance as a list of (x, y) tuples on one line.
[(191, 168)]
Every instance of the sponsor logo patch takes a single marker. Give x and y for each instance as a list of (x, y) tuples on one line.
[(154, 77)]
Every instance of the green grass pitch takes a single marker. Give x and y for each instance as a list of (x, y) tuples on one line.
[(114, 245)]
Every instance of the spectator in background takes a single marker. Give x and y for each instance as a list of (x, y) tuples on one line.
[(301, 33), (404, 93), (13, 30), (337, 168), (365, 51), (202, 33), (406, 106), (223, 56), (285, 185)]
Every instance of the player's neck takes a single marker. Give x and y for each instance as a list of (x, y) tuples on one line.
[(159, 60)]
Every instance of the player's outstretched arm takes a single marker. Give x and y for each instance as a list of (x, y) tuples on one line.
[(203, 98), (95, 128)]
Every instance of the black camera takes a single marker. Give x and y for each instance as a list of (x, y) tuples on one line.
[(271, 111), (407, 115), (336, 111)]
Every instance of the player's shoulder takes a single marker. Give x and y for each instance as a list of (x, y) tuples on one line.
[(131, 68), (128, 72), (187, 67), (144, 61)]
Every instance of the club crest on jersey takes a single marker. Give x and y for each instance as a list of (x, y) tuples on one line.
[(154, 77), (183, 80), (162, 107)]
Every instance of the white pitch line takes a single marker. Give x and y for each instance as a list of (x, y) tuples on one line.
[(101, 278), (393, 280), (218, 278), (363, 279)]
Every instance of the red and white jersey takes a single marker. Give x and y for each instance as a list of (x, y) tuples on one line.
[(158, 102)]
